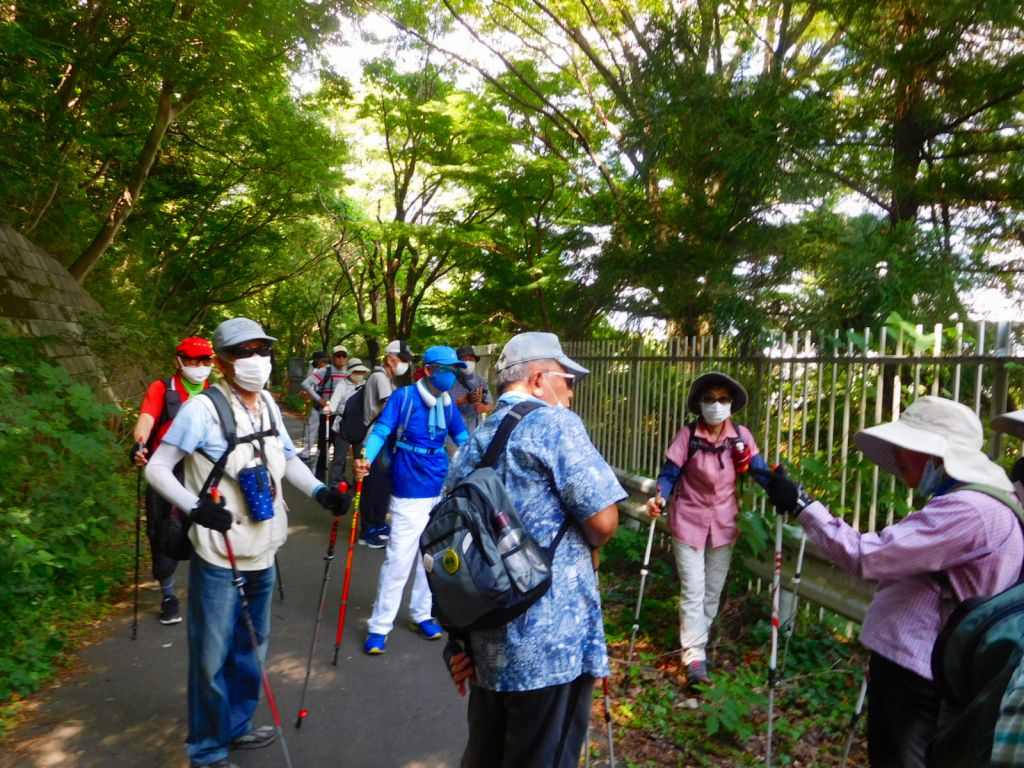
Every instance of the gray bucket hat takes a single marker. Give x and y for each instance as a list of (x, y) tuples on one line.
[(706, 381), (236, 331), (1011, 423), (535, 345)]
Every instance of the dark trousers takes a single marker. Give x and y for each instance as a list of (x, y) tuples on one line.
[(336, 471), (373, 506), (157, 507), (903, 715), (544, 728)]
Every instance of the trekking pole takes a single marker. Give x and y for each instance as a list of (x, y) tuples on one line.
[(280, 581), (138, 550), (858, 708), (239, 584), (774, 653), (791, 621), (595, 557), (640, 594), (348, 570), (328, 561)]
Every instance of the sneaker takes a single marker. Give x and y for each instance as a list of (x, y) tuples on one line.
[(429, 629), (697, 673), (257, 738), (375, 644), (384, 532), (222, 763), (372, 539), (169, 611)]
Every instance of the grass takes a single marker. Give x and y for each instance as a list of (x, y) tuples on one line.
[(659, 722)]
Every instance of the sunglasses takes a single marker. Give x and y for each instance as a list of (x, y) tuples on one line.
[(570, 378), (709, 400), (442, 368), (240, 353)]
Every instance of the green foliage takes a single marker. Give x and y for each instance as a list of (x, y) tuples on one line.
[(63, 504)]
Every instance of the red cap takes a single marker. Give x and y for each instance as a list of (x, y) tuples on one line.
[(194, 346)]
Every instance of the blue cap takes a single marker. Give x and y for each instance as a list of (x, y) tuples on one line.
[(442, 356)]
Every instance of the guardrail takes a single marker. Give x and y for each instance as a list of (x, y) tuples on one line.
[(821, 582)]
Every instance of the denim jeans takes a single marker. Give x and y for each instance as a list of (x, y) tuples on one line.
[(223, 672)]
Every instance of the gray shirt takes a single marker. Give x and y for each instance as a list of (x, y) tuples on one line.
[(376, 391)]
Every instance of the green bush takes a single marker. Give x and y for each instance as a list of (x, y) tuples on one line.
[(64, 497)]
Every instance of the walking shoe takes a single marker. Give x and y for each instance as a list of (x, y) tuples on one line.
[(222, 763), (372, 539), (375, 644), (429, 629), (384, 532), (169, 611), (697, 673), (258, 737)]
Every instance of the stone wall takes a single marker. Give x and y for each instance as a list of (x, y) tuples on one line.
[(40, 300)]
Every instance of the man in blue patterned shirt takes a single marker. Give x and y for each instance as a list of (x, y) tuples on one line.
[(532, 680)]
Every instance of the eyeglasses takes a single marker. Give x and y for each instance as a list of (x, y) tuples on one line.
[(570, 378), (709, 400), (240, 353), (442, 368), (205, 360)]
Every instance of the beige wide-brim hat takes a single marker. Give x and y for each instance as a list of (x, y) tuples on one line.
[(937, 427), (1011, 423)]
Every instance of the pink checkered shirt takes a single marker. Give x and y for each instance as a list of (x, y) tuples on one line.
[(973, 537)]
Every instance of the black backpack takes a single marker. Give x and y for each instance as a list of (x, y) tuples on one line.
[(352, 428), (974, 657), (172, 526), (479, 578)]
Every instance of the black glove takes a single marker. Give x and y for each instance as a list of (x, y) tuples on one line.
[(786, 496), (334, 501), (211, 514)]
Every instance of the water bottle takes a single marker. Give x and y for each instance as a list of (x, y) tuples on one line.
[(516, 562), (740, 456)]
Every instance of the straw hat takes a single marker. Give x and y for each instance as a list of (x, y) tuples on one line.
[(937, 427)]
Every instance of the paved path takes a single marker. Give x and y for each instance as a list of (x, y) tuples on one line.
[(126, 707)]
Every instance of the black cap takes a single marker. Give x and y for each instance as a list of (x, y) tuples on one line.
[(462, 352), (320, 355)]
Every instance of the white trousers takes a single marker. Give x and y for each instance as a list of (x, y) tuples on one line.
[(702, 572), (408, 519), (312, 433)]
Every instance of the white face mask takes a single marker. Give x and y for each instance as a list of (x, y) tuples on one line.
[(715, 413), (251, 373), (356, 379), (197, 374), (400, 368), (470, 366)]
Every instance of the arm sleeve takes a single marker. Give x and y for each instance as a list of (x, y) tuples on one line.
[(384, 426), (160, 474), (456, 426), (299, 475), (309, 386), (757, 462), (667, 478)]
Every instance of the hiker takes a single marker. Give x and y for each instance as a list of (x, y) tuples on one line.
[(374, 530), (1008, 743), (193, 360), (531, 681), (470, 391), (343, 389), (314, 385), (961, 542), (223, 670), (421, 417), (702, 466)]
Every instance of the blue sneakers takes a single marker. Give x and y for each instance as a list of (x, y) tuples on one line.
[(384, 532), (375, 644), (429, 629), (372, 539)]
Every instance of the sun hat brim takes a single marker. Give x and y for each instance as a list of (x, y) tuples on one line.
[(1011, 423), (711, 379)]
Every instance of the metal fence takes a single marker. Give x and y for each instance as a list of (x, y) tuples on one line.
[(809, 393)]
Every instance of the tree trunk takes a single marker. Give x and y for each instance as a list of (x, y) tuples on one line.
[(167, 112)]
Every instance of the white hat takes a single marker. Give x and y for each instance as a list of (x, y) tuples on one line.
[(534, 345), (1011, 423), (340, 348), (937, 427), (355, 365), (399, 349)]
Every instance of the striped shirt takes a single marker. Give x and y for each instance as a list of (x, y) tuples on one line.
[(973, 537)]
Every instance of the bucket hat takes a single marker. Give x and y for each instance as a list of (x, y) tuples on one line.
[(355, 365), (937, 427), (706, 381), (535, 345), (1011, 423), (238, 330)]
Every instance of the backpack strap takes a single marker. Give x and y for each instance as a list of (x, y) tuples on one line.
[(697, 444), (171, 406), (227, 425), (510, 422)]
